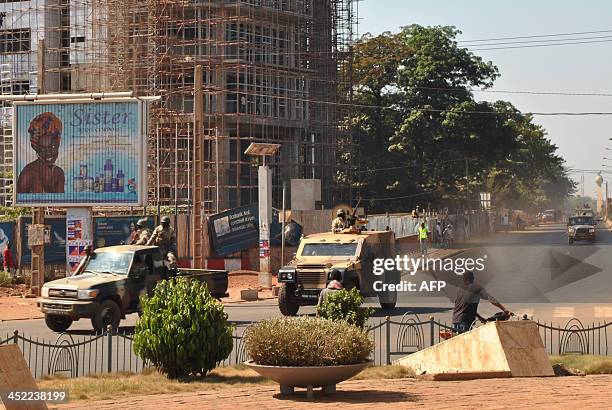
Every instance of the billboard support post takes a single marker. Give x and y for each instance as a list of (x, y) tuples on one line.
[(38, 255)]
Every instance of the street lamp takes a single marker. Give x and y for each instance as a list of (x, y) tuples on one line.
[(264, 187)]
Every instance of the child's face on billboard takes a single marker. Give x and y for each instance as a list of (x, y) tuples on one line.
[(47, 149)]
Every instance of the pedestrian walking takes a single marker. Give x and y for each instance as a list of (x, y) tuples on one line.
[(438, 233), (10, 266), (423, 233)]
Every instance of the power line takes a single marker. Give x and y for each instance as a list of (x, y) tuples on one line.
[(542, 45), (365, 171), (537, 36), (399, 197), (551, 41), (482, 90), (241, 94)]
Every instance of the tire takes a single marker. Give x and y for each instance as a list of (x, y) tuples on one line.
[(389, 302), (58, 323), (108, 314), (570, 241), (387, 306), (287, 306)]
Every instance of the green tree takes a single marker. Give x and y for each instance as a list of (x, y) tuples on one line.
[(420, 136)]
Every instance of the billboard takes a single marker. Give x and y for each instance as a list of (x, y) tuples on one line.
[(79, 236), (234, 230), (77, 153), (7, 233), (238, 229)]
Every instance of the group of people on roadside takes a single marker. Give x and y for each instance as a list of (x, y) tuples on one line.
[(443, 235)]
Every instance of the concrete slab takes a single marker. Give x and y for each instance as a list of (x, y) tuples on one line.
[(513, 346)]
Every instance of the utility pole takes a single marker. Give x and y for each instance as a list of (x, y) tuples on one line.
[(199, 240), (38, 213), (217, 169), (467, 183)]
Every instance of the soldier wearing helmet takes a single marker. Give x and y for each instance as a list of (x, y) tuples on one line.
[(164, 237), (143, 233), (340, 223), (42, 175)]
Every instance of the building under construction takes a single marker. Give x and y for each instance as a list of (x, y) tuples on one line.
[(272, 71)]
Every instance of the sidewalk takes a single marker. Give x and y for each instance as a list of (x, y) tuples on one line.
[(540, 393)]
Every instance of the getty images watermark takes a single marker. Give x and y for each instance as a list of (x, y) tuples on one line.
[(411, 266)]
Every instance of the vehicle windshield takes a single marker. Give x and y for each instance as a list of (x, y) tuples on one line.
[(329, 249), (117, 263), (582, 220)]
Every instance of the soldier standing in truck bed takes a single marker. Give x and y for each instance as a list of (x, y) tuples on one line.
[(143, 233), (164, 237), (340, 223)]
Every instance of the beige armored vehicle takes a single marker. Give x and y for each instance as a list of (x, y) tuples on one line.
[(352, 253)]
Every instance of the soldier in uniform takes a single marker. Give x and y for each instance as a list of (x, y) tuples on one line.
[(143, 233), (340, 223), (163, 236)]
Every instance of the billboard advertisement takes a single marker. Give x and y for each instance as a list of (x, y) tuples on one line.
[(7, 232), (238, 229), (79, 235), (234, 230), (80, 153)]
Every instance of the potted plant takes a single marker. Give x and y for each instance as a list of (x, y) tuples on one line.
[(307, 352)]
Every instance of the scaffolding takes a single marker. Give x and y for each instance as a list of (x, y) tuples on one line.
[(272, 71)]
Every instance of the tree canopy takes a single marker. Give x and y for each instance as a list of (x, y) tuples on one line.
[(420, 137)]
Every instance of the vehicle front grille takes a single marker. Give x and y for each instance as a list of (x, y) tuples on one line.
[(63, 293), (582, 231), (312, 276)]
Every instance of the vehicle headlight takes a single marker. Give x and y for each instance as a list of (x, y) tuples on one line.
[(286, 274), (44, 292), (571, 230), (88, 293), (591, 229)]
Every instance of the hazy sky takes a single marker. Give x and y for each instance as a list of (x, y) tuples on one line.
[(583, 68)]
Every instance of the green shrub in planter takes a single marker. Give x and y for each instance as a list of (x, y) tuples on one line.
[(345, 305), (183, 330), (306, 341)]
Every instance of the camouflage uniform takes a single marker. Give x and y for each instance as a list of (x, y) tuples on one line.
[(142, 237), (338, 224), (166, 240)]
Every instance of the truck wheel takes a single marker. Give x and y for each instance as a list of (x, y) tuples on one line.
[(58, 323), (287, 306), (108, 314), (389, 301), (570, 241)]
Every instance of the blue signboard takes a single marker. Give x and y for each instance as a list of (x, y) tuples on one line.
[(116, 230), (238, 229), (55, 251), (7, 233), (84, 154), (234, 230)]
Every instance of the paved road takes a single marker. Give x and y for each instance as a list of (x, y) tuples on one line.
[(533, 272)]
